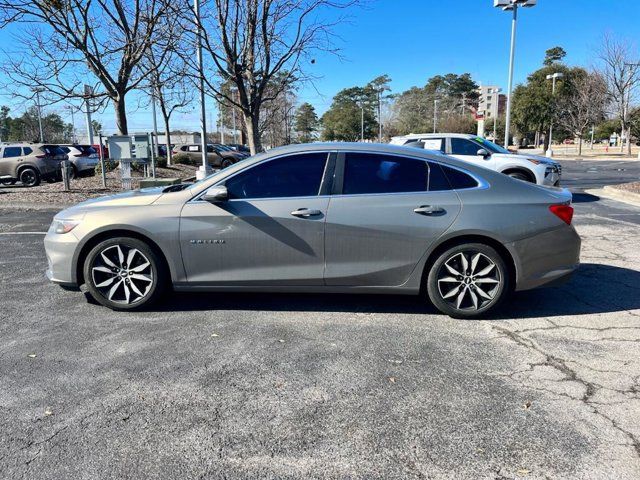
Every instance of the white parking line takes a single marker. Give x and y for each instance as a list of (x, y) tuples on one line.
[(23, 233)]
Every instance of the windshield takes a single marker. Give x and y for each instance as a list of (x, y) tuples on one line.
[(492, 147)]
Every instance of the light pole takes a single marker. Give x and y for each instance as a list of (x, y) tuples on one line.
[(204, 169), (552, 77), (513, 6), (496, 109), (88, 92), (73, 123), (435, 114), (154, 90), (37, 92)]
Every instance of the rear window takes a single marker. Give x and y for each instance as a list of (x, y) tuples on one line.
[(52, 150), (374, 173), (10, 152), (27, 150), (87, 149), (459, 180)]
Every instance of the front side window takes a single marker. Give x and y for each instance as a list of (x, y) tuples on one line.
[(291, 176), (462, 146), (374, 173), (12, 152)]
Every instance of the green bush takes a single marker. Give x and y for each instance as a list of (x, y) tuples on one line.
[(161, 162), (184, 159), (109, 165)]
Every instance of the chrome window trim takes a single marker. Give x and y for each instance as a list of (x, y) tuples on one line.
[(198, 198)]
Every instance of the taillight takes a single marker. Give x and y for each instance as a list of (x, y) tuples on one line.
[(563, 212)]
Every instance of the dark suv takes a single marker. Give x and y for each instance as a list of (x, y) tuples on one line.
[(29, 163)]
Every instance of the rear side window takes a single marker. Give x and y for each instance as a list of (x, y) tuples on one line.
[(27, 150), (87, 149), (10, 152), (433, 144), (457, 179), (291, 176), (374, 173), (462, 146)]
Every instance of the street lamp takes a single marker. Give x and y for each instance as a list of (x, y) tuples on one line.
[(234, 90), (552, 77), (435, 114), (496, 108), (73, 123), (37, 92), (513, 6), (204, 169)]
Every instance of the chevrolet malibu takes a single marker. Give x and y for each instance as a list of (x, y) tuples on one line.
[(340, 218)]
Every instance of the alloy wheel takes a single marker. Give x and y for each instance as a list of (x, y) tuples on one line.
[(122, 274), (469, 280)]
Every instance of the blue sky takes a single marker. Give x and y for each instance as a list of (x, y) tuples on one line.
[(412, 40)]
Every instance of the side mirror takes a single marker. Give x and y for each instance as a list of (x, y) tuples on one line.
[(483, 153), (215, 194)]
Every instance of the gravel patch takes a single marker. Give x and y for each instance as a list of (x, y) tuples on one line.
[(633, 187), (81, 188)]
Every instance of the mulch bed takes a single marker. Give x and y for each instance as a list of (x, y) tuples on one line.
[(633, 187), (81, 188)]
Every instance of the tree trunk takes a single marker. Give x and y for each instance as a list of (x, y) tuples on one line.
[(629, 141), (121, 115), (253, 132), (167, 137), (579, 146)]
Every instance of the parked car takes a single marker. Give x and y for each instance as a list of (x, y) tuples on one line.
[(350, 218), (239, 148), (480, 151), (30, 163), (217, 157), (83, 158)]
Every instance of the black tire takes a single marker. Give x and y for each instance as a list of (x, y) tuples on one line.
[(474, 293), (123, 291), (8, 181), (73, 173), (521, 176), (29, 177), (226, 163)]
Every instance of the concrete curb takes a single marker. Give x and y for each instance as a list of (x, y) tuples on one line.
[(613, 193), (34, 206)]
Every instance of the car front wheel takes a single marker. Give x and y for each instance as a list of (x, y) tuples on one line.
[(29, 177), (124, 274), (468, 280)]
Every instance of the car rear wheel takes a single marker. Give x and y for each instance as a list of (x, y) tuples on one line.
[(468, 280), (29, 177), (124, 274), (8, 181)]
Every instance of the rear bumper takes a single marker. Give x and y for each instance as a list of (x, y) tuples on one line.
[(546, 259)]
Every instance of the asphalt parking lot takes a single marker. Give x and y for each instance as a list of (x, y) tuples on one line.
[(327, 386)]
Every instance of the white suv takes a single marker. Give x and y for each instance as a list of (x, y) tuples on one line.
[(474, 149), (83, 158)]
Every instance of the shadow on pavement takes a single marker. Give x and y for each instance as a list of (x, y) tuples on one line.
[(581, 197), (594, 288)]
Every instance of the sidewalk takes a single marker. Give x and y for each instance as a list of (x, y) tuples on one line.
[(570, 152)]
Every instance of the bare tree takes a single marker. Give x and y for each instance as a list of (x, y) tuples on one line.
[(168, 81), (621, 71), (68, 40), (585, 105), (251, 43)]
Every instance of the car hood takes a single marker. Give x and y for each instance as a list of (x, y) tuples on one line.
[(520, 156), (145, 196)]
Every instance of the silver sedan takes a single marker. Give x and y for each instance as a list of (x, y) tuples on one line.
[(349, 218)]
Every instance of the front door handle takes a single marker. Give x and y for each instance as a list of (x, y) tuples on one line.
[(305, 213), (431, 210)]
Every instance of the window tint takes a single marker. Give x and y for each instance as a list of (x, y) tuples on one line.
[(65, 149), (457, 179), (373, 173), (12, 152), (437, 180), (27, 150), (292, 176), (462, 146)]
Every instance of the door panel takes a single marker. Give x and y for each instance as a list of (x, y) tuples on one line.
[(246, 242)]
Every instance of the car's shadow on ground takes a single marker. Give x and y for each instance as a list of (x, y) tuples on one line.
[(581, 197), (594, 288)]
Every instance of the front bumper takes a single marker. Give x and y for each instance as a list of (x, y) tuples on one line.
[(60, 249), (547, 258), (552, 175)]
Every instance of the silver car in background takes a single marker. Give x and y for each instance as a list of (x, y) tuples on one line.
[(348, 218)]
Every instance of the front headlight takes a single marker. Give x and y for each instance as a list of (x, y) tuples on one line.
[(62, 225)]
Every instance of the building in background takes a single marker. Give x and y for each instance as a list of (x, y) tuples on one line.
[(491, 104)]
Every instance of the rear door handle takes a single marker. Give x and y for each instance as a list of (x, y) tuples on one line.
[(431, 210), (305, 213)]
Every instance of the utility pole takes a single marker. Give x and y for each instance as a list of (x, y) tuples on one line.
[(553, 93), (155, 120), (88, 91), (380, 115), (361, 121), (73, 123), (221, 115), (204, 169), (37, 91), (435, 115)]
